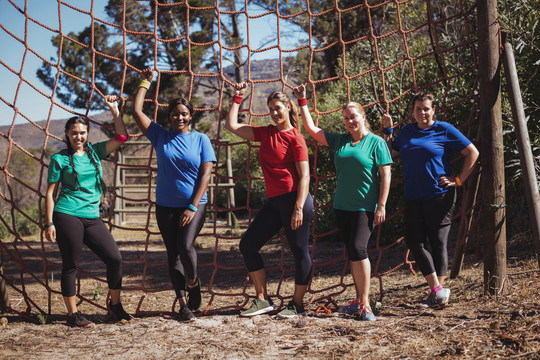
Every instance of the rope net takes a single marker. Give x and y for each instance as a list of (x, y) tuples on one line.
[(377, 53)]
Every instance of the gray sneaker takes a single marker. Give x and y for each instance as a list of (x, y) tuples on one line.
[(258, 307), (438, 299), (292, 310)]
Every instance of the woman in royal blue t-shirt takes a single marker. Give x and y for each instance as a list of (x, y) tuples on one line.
[(424, 149), (185, 161)]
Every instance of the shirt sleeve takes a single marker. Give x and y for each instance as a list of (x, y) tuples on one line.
[(382, 154), (154, 131), (259, 132), (332, 139), (300, 150), (55, 170), (456, 141), (207, 151)]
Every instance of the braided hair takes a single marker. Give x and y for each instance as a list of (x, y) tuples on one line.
[(285, 99), (90, 152)]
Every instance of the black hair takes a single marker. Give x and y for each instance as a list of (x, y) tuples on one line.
[(90, 152)]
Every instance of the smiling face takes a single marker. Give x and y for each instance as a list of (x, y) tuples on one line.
[(180, 117), (423, 112), (354, 120), (279, 112), (77, 134)]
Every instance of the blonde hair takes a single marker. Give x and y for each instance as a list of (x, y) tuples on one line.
[(361, 110), (285, 99)]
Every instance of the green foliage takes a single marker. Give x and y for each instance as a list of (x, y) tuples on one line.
[(26, 221), (522, 20)]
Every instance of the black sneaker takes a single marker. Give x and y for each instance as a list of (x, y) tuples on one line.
[(185, 314), (78, 320), (194, 296), (119, 313)]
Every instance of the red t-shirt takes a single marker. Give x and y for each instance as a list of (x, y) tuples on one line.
[(279, 152)]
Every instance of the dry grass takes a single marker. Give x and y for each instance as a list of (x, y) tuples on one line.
[(472, 326)]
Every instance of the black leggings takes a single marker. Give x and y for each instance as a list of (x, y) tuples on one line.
[(71, 233), (355, 228), (179, 241), (427, 225), (275, 214)]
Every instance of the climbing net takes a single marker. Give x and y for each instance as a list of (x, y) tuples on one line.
[(377, 53)]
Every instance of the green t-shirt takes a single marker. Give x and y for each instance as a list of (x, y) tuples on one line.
[(82, 201), (357, 170)]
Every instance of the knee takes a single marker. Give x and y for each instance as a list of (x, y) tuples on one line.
[(244, 246)]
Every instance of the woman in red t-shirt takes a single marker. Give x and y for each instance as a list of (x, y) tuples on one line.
[(284, 161)]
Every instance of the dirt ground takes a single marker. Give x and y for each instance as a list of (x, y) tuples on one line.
[(472, 326)]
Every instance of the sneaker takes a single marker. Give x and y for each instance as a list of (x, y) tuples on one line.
[(119, 313), (258, 307), (185, 314), (438, 299), (77, 319), (194, 296), (350, 308), (292, 310), (365, 313)]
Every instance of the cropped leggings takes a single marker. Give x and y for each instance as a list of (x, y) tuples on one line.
[(427, 225), (71, 233), (275, 214), (355, 228), (179, 242)]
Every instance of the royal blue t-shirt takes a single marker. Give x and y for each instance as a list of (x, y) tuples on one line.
[(425, 156), (179, 158)]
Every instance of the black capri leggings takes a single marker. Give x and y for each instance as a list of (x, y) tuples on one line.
[(71, 233), (355, 228), (179, 241), (427, 225), (275, 214)]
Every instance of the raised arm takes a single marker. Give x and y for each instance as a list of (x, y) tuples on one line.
[(309, 125), (143, 121), (231, 123), (119, 126), (387, 123)]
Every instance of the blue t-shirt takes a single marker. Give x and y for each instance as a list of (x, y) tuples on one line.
[(425, 156), (357, 170), (179, 158)]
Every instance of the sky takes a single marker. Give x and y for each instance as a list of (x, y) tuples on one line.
[(17, 61)]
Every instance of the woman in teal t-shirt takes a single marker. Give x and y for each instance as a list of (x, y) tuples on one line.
[(73, 217), (362, 162)]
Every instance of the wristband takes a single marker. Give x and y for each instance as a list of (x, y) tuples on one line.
[(302, 102), (145, 84), (120, 138), (49, 224), (458, 181), (237, 99), (388, 131), (192, 208)]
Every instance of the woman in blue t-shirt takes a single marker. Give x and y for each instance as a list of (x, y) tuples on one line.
[(430, 197), (73, 217), (185, 160), (362, 162)]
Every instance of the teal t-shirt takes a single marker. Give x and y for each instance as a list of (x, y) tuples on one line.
[(82, 201), (357, 170)]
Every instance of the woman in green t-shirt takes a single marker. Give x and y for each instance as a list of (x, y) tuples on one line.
[(362, 162), (73, 217)]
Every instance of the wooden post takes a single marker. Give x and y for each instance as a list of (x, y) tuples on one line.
[(493, 216), (524, 143)]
